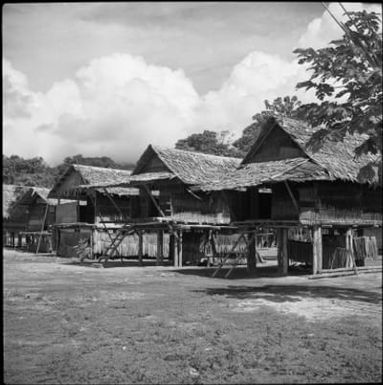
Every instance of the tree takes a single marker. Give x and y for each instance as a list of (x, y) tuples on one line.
[(287, 106), (347, 79), (209, 142)]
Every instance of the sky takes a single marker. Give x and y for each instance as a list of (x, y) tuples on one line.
[(108, 79)]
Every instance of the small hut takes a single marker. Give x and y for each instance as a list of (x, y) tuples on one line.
[(93, 213), (15, 223), (314, 197), (39, 213)]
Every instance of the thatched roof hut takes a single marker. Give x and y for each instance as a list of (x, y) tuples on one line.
[(189, 167), (282, 152), (11, 194), (72, 184)]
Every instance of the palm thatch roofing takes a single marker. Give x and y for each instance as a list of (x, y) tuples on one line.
[(37, 192), (11, 194), (95, 176), (334, 160), (189, 167)]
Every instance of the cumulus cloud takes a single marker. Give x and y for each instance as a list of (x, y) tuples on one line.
[(114, 106), (118, 104)]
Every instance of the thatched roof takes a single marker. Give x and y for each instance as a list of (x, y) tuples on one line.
[(189, 167), (333, 160), (95, 176), (254, 174), (38, 192), (11, 194)]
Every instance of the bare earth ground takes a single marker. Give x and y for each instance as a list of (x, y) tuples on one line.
[(69, 323)]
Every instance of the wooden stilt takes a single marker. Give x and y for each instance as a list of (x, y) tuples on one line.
[(160, 247), (180, 248), (42, 228), (213, 246), (317, 250), (251, 260), (283, 258), (140, 246), (171, 246), (350, 247), (176, 248)]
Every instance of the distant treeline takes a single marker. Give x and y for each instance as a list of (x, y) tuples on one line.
[(36, 171)]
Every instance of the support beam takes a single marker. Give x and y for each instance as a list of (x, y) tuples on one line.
[(140, 246), (317, 250), (114, 203), (292, 196), (42, 228), (180, 248), (350, 247), (176, 248), (160, 247), (171, 247), (251, 255), (212, 240), (283, 258), (154, 201)]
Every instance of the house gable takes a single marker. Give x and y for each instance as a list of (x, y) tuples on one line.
[(150, 162), (273, 144), (62, 188)]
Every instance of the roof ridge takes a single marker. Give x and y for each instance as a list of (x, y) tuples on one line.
[(98, 167), (158, 148)]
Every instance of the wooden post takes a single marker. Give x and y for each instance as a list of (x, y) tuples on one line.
[(160, 247), (213, 246), (180, 248), (350, 246), (140, 246), (251, 260), (91, 244), (176, 248), (171, 246), (42, 227), (283, 258), (317, 250)]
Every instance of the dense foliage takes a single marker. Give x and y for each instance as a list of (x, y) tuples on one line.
[(209, 142), (347, 79), (280, 106), (36, 172)]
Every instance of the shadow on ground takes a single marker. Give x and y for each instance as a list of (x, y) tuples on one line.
[(241, 272), (113, 263), (283, 293)]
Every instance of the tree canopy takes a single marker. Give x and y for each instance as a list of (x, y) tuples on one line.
[(347, 80), (286, 106), (36, 172), (208, 142)]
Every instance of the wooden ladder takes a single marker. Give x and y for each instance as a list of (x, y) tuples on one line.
[(120, 235)]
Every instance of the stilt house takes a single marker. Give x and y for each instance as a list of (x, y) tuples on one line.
[(15, 223), (200, 222), (30, 216), (92, 212), (282, 182)]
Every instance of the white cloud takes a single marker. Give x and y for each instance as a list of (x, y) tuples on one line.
[(115, 106), (118, 104), (324, 29)]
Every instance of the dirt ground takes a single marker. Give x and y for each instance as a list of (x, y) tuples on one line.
[(67, 323)]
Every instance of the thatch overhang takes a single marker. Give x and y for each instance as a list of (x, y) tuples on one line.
[(89, 175), (265, 173), (189, 167)]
